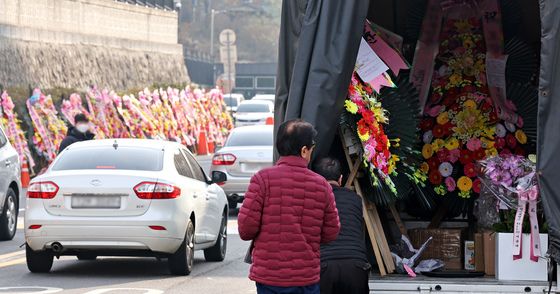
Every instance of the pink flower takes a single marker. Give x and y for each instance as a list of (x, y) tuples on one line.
[(474, 144), (450, 184), (434, 111), (454, 155)]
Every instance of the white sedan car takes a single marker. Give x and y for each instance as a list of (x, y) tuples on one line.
[(126, 197), (254, 112)]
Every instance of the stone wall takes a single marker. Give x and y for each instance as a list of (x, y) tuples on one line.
[(76, 43)]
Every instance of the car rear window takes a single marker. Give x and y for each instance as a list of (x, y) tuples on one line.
[(250, 138), (231, 101), (122, 158), (253, 108)]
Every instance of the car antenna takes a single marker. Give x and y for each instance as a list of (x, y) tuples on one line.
[(115, 145)]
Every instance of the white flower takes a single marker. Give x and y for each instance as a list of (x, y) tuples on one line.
[(428, 137), (510, 127), (445, 169), (500, 130)]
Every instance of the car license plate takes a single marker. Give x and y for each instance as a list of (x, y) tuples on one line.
[(107, 202)]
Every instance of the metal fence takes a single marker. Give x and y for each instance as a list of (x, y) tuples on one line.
[(160, 4)]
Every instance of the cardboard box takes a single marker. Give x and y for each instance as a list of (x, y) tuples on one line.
[(523, 269), (469, 255), (479, 252), (447, 245), (489, 244)]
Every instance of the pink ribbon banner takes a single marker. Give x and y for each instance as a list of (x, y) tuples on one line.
[(389, 55), (427, 49), (495, 58), (527, 197)]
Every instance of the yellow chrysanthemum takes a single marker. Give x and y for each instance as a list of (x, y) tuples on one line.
[(464, 184), (521, 137), (491, 152), (425, 167), (438, 144), (452, 144), (351, 106), (455, 79), (443, 118), (490, 132), (427, 151), (469, 104)]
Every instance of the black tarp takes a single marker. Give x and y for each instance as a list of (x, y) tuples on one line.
[(319, 41), (548, 140)]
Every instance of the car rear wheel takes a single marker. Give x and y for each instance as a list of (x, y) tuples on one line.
[(8, 218), (86, 256), (218, 251), (181, 262), (38, 261)]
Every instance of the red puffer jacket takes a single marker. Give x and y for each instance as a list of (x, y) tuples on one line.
[(289, 211)]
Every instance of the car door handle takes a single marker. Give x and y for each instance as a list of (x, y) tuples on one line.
[(8, 163), (195, 195)]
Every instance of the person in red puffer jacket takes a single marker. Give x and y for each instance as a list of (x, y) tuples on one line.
[(288, 212)]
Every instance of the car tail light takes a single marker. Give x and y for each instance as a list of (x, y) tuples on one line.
[(35, 227), (158, 228), (154, 190), (224, 159), (42, 190)]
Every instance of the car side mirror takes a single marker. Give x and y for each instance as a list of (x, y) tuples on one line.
[(218, 177)]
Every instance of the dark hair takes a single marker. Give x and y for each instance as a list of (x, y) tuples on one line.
[(329, 168), (293, 135), (80, 117)]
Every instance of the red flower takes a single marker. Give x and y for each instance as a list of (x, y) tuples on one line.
[(362, 127), (448, 128), (456, 107), (435, 177), (476, 186), (470, 170), (486, 107), (426, 124), (433, 163), (520, 151), (466, 157), (493, 117), (469, 89), (368, 116), (511, 141), (505, 152), (443, 154), (500, 143), (368, 88), (439, 131), (435, 98), (449, 100), (479, 154)]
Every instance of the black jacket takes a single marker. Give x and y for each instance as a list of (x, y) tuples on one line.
[(350, 243), (74, 136)]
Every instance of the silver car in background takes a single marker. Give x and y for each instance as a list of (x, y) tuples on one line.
[(232, 101), (247, 150), (10, 187), (254, 112)]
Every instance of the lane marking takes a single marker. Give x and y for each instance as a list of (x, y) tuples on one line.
[(45, 290), (12, 262), (106, 290), (12, 254)]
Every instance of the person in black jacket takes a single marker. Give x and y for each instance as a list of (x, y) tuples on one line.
[(79, 132), (344, 263)]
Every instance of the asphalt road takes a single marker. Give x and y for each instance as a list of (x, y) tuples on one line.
[(127, 275)]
